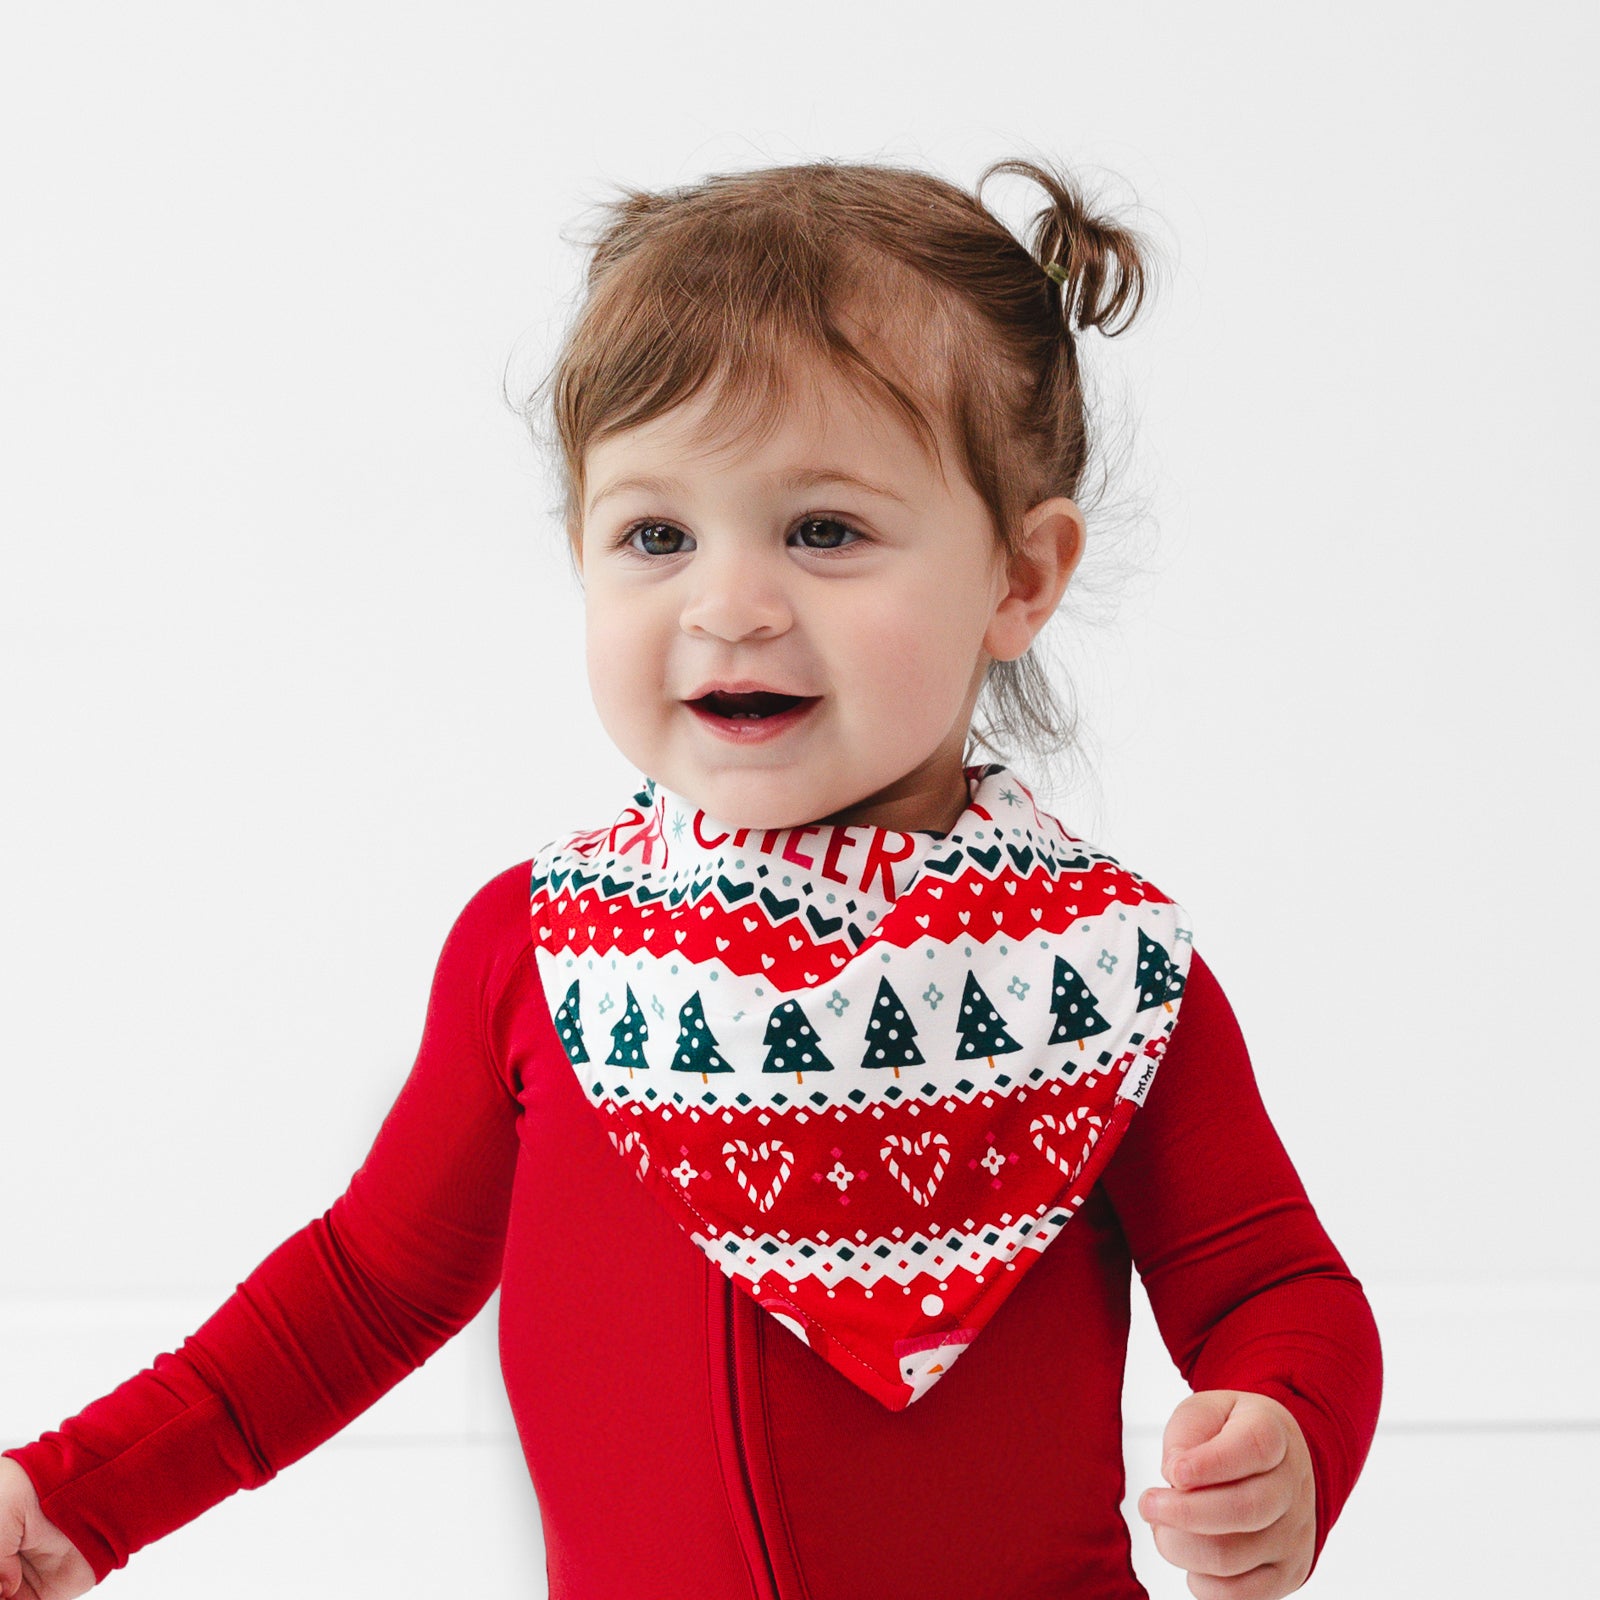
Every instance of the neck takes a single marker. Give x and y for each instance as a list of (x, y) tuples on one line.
[(921, 803)]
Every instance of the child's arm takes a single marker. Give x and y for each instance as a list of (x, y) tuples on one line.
[(1247, 1288), (341, 1310)]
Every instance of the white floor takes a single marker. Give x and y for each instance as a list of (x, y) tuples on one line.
[(1436, 1514)]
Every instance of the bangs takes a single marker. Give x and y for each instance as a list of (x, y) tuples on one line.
[(749, 324)]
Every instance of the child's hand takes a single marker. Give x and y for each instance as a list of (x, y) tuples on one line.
[(1241, 1517), (37, 1560)]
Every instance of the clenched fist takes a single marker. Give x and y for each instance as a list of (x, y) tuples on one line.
[(37, 1560), (1241, 1517)]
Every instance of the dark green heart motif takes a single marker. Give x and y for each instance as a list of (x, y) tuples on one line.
[(733, 893), (779, 908)]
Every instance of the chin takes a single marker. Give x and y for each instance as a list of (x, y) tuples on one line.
[(756, 800)]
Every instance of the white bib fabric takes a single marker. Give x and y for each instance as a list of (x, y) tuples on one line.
[(871, 1074)]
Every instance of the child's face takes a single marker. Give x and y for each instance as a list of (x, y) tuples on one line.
[(735, 575)]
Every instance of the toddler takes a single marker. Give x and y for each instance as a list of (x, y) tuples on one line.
[(811, 1110)]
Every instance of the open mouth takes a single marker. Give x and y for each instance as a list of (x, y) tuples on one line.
[(738, 707), (753, 717)]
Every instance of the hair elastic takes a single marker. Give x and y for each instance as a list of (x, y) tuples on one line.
[(1056, 271)]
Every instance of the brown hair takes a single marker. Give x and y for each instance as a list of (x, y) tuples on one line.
[(725, 282)]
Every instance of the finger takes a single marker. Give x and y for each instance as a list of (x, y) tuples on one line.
[(1247, 1506), (1251, 1440), (1270, 1582), (1199, 1417), (1224, 1557)]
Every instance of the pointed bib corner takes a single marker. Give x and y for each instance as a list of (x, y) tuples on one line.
[(871, 1074)]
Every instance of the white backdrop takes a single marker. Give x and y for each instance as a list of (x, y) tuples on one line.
[(290, 658)]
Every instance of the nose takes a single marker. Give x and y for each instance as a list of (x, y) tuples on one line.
[(734, 594)]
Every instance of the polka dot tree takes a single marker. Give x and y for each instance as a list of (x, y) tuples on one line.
[(697, 1045), (1160, 983), (792, 1043), (1073, 1006), (982, 1029), (569, 1028), (891, 1038), (628, 1037)]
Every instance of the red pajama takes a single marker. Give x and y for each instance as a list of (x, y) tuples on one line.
[(682, 1444)]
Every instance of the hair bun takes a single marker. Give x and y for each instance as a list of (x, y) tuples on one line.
[(1095, 262)]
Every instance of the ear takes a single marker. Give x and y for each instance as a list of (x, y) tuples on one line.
[(1052, 537)]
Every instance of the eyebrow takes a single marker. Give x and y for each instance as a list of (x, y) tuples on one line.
[(800, 478)]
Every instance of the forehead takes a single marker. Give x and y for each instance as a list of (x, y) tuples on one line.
[(813, 416)]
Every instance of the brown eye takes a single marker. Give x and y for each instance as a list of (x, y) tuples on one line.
[(830, 523), (651, 531)]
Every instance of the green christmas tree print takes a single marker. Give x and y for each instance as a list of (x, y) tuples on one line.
[(569, 1028), (1159, 981), (792, 1043), (982, 1029), (628, 1037), (1072, 1003), (697, 1045), (891, 1036)]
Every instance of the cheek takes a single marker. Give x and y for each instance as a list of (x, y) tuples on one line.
[(612, 651), (927, 637)]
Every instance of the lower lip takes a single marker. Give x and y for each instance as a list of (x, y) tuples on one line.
[(753, 730)]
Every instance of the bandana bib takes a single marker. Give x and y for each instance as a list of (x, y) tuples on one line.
[(871, 1074)]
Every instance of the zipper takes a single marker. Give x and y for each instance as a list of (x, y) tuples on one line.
[(738, 1441)]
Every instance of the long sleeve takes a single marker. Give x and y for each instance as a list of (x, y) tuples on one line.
[(343, 1309), (1247, 1288)]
